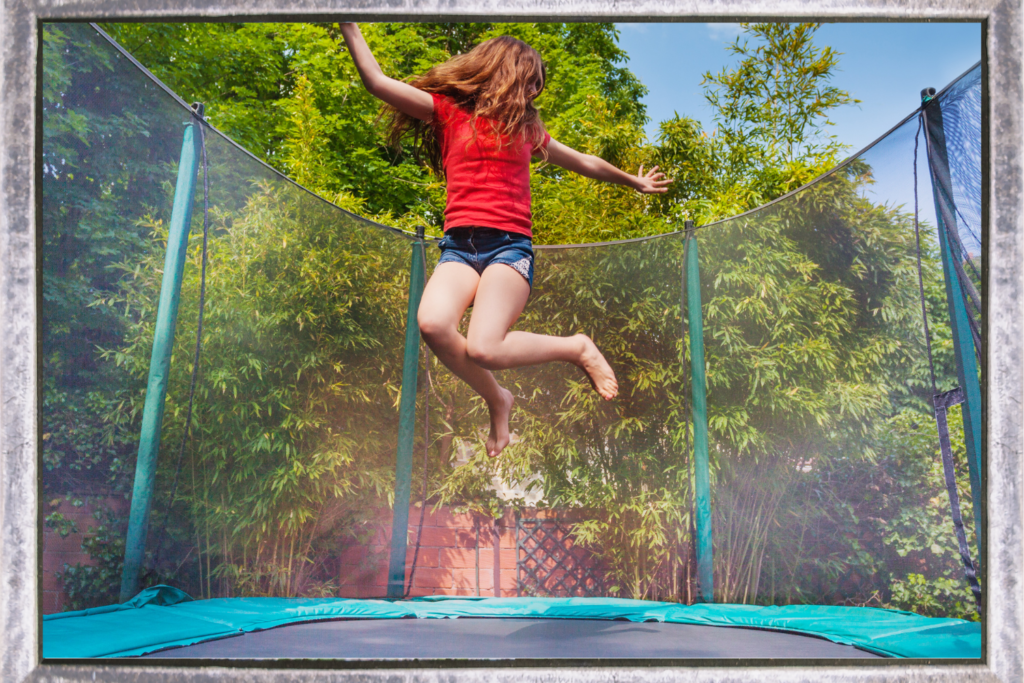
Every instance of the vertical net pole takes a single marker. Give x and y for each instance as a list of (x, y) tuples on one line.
[(699, 412), (160, 363), (963, 342), (406, 426)]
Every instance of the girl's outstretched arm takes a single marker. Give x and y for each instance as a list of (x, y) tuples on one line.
[(402, 96), (590, 166)]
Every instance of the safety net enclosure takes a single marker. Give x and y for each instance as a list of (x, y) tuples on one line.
[(234, 383)]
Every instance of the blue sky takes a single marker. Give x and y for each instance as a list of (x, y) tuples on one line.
[(885, 65)]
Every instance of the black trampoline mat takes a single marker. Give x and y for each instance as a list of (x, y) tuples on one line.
[(476, 638)]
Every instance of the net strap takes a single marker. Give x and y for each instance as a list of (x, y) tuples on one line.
[(920, 272), (943, 402)]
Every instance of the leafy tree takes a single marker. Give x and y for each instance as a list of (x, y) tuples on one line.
[(302, 343), (772, 109), (102, 166), (808, 348), (772, 113)]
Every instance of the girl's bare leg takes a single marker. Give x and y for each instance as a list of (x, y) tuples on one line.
[(500, 298), (449, 292)]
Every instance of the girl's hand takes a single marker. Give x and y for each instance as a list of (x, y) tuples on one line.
[(652, 182), (590, 166)]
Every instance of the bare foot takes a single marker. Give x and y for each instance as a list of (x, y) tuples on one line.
[(600, 374), (498, 438)]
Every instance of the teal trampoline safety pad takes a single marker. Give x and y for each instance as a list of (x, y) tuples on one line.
[(163, 617)]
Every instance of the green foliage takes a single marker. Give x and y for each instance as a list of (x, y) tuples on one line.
[(936, 598), (63, 525), (99, 582), (918, 527), (91, 196), (82, 451), (300, 352), (879, 535), (624, 460), (803, 336)]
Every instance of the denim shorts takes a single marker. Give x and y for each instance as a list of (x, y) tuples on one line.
[(481, 247)]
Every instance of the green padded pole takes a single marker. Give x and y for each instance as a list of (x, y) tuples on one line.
[(406, 427), (160, 364), (698, 385), (963, 342)]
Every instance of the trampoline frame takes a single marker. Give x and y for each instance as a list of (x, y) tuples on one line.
[(165, 618), (20, 117)]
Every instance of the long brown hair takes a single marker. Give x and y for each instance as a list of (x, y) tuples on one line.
[(494, 81)]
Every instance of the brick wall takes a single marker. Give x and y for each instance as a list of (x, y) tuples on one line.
[(446, 565), (59, 551), (447, 561)]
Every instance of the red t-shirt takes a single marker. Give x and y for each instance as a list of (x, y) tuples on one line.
[(488, 185)]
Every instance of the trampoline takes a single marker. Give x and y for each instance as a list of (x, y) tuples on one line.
[(163, 622), (786, 460)]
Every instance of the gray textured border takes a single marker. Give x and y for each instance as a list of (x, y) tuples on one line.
[(19, 321)]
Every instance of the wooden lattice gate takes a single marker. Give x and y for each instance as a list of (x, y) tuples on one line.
[(548, 563)]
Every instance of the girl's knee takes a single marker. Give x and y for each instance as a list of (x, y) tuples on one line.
[(429, 328), (433, 326), (483, 354)]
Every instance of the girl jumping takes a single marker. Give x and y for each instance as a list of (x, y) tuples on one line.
[(474, 117)]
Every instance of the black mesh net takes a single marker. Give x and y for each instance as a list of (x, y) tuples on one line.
[(817, 394), (961, 114), (827, 485), (301, 353)]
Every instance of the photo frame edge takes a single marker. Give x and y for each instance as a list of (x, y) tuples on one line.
[(20, 133)]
